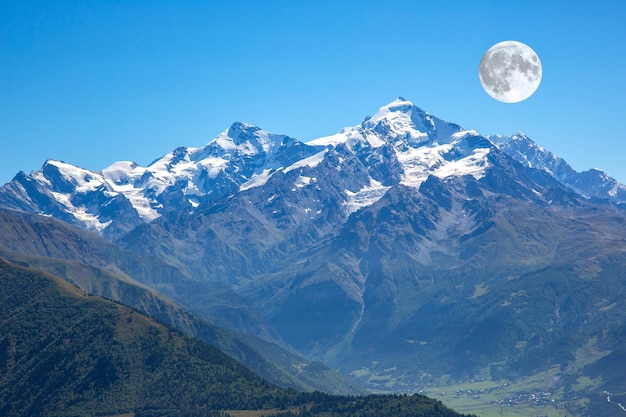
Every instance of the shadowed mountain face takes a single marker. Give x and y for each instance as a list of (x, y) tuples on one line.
[(400, 250)]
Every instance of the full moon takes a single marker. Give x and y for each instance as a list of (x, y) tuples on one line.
[(510, 71)]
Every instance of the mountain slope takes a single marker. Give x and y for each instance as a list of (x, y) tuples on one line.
[(28, 234), (82, 260), (383, 288), (65, 353)]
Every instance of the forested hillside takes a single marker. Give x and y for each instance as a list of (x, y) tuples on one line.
[(65, 353)]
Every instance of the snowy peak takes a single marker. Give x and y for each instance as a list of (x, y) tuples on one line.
[(66, 178), (70, 193), (593, 183), (246, 144), (400, 108), (401, 118), (422, 144), (122, 172), (245, 138), (398, 121), (237, 145)]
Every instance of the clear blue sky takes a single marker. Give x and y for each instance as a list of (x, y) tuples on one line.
[(93, 82)]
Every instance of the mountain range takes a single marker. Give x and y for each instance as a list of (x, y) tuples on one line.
[(405, 251), (115, 200)]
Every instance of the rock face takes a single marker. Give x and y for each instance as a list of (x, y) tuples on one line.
[(398, 250)]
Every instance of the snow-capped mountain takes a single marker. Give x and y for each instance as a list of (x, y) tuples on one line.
[(279, 211), (400, 144), (120, 197), (424, 145), (593, 183)]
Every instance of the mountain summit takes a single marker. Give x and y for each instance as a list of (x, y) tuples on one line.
[(398, 120)]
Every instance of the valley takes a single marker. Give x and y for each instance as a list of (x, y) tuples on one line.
[(67, 353)]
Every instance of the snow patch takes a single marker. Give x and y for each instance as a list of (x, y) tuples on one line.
[(350, 136), (90, 220), (311, 161), (303, 181), (257, 180), (126, 178), (366, 196), (214, 165), (464, 133), (419, 163), (473, 164)]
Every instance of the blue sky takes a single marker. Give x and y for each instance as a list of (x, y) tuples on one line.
[(93, 82)]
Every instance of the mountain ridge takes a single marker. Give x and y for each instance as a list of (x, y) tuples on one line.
[(113, 201), (593, 183)]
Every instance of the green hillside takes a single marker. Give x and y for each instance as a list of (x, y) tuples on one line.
[(65, 353)]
